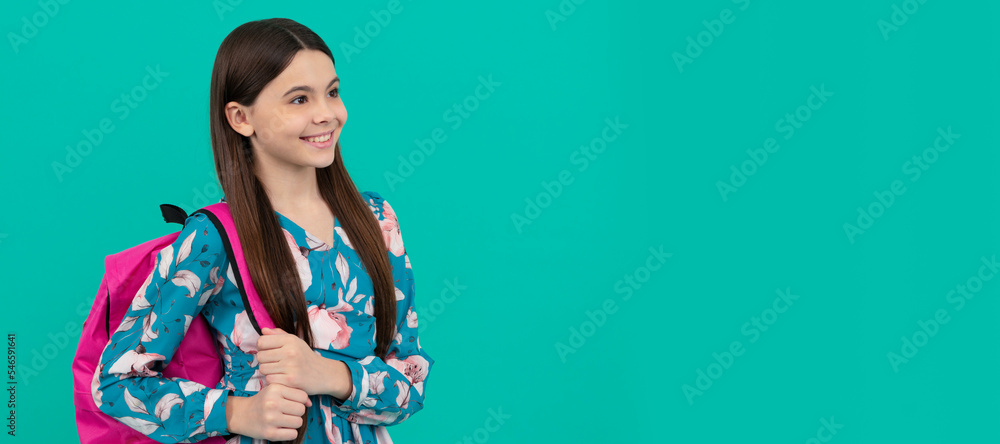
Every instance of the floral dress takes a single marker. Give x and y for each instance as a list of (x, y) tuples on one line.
[(192, 276)]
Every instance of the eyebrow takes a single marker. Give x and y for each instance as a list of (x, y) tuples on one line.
[(307, 88)]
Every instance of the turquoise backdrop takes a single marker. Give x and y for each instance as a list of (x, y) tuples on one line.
[(635, 221)]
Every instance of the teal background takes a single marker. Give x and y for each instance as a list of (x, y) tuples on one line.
[(528, 287)]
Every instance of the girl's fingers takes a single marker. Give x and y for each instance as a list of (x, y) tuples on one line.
[(269, 368), (297, 395), (289, 420), (293, 408)]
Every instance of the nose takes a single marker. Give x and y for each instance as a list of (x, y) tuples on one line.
[(324, 113)]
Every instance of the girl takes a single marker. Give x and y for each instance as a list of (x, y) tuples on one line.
[(345, 360)]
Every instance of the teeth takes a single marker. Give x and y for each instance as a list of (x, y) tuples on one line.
[(319, 139)]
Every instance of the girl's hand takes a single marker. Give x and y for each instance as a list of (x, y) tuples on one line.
[(274, 413), (286, 359)]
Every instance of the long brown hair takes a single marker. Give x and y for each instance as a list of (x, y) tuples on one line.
[(250, 57)]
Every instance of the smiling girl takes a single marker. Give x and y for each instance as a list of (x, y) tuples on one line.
[(327, 261)]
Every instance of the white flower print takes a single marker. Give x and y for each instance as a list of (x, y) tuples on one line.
[(188, 387), (315, 243), (403, 397), (244, 336), (332, 431), (382, 435), (301, 261), (411, 318), (413, 367), (139, 302), (342, 268), (95, 384), (256, 382), (343, 236), (370, 307), (232, 277), (164, 405), (218, 281), (390, 230), (376, 380), (329, 327), (187, 279), (185, 248), (149, 334), (133, 363), (166, 257)]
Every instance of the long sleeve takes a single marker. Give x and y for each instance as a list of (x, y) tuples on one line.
[(130, 387), (390, 391)]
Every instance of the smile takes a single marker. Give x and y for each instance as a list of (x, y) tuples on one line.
[(320, 138)]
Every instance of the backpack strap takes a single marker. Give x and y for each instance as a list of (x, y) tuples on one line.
[(223, 220)]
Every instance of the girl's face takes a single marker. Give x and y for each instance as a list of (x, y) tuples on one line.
[(297, 118)]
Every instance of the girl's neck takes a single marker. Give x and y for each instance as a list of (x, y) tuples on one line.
[(291, 191)]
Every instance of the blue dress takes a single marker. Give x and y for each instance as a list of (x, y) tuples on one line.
[(338, 294)]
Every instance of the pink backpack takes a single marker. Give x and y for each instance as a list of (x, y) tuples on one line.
[(198, 356)]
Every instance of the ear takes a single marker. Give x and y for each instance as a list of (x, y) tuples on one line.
[(237, 115)]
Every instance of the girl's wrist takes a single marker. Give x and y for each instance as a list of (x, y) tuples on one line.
[(234, 411), (340, 384)]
